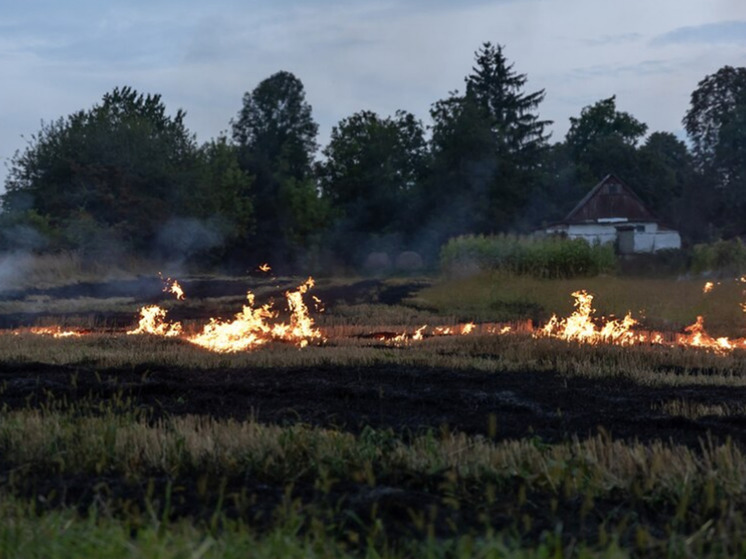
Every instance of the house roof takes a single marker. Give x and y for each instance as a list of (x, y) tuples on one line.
[(610, 198)]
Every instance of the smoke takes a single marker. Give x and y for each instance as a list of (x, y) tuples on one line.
[(23, 237), (184, 237)]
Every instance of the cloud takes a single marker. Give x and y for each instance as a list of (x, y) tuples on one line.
[(732, 32), (618, 39)]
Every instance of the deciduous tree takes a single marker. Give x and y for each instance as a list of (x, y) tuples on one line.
[(716, 125), (276, 138), (121, 167)]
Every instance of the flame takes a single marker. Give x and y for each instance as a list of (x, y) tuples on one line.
[(580, 327), (301, 328), (54, 331), (172, 286), (176, 289), (697, 337), (264, 268), (153, 321), (417, 336), (254, 326), (251, 328)]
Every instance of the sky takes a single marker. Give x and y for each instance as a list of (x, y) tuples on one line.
[(59, 57)]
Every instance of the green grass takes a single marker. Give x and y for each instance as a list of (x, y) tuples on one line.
[(64, 534)]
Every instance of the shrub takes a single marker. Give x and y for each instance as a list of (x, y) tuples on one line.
[(726, 257), (543, 257)]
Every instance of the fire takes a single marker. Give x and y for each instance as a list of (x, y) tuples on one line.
[(153, 321), (255, 326), (698, 337), (172, 286), (580, 327), (54, 331), (405, 338), (264, 268), (176, 289), (247, 331), (252, 328), (463, 330)]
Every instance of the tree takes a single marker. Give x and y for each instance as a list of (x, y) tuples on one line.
[(498, 91), (603, 140), (666, 171), (225, 193), (373, 166), (276, 139), (487, 147), (716, 125), (107, 175)]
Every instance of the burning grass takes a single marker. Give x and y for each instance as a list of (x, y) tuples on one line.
[(112, 466), (661, 304)]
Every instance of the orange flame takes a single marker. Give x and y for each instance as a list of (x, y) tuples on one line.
[(172, 286), (153, 321), (580, 327), (264, 267), (708, 287), (176, 289), (698, 337), (54, 331), (251, 328)]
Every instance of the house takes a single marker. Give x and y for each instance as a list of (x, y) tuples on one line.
[(612, 213)]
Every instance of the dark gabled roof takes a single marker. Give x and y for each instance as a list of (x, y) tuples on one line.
[(610, 198)]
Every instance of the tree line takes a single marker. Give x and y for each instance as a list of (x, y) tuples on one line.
[(125, 177)]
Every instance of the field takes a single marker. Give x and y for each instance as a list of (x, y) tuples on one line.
[(493, 444)]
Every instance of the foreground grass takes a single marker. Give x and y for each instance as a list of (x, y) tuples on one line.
[(60, 535), (197, 487)]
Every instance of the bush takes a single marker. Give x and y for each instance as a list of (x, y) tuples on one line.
[(542, 257), (724, 257)]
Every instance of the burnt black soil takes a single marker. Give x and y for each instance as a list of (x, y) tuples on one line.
[(405, 399)]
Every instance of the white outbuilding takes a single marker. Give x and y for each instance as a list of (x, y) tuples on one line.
[(612, 213)]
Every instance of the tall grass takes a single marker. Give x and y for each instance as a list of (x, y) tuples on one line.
[(541, 257)]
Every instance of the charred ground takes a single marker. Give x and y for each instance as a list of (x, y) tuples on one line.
[(404, 399)]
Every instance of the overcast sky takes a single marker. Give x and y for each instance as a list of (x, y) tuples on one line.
[(58, 57)]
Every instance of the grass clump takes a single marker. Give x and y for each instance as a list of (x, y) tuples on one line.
[(541, 257)]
